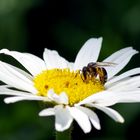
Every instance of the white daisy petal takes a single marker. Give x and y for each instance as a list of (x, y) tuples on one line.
[(127, 97), (123, 58), (92, 116), (122, 76), (103, 98), (60, 99), (88, 53), (117, 54), (47, 112), (125, 85), (21, 98), (4, 90), (54, 60), (18, 72), (13, 92), (110, 112), (71, 65), (31, 62), (13, 99), (9, 74), (63, 118), (63, 98), (99, 98), (27, 75), (81, 118)]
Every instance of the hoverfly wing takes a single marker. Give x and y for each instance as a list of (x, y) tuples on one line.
[(105, 64)]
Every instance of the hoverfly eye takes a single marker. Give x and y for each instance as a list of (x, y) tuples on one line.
[(84, 69), (91, 64)]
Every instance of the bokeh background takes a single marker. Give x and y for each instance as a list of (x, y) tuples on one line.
[(32, 25)]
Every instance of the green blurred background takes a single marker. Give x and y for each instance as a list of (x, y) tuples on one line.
[(32, 25)]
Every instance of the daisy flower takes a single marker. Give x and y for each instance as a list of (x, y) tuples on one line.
[(73, 94)]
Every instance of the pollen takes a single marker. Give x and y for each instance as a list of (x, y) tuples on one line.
[(70, 82)]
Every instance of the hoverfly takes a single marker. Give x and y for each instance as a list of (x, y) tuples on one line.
[(96, 69)]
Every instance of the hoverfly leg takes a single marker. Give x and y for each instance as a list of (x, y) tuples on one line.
[(105, 75), (102, 75), (84, 73)]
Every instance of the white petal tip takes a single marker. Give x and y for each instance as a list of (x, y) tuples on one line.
[(7, 101), (4, 50), (93, 39), (47, 112), (59, 128), (98, 127), (100, 38), (41, 114), (121, 120), (87, 131), (135, 51)]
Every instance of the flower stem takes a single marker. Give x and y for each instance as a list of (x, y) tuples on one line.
[(65, 135)]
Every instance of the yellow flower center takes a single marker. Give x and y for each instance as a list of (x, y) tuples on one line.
[(70, 82)]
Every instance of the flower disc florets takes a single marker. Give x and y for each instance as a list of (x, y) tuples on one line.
[(70, 82)]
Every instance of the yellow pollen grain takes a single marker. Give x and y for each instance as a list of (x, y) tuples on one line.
[(70, 82)]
